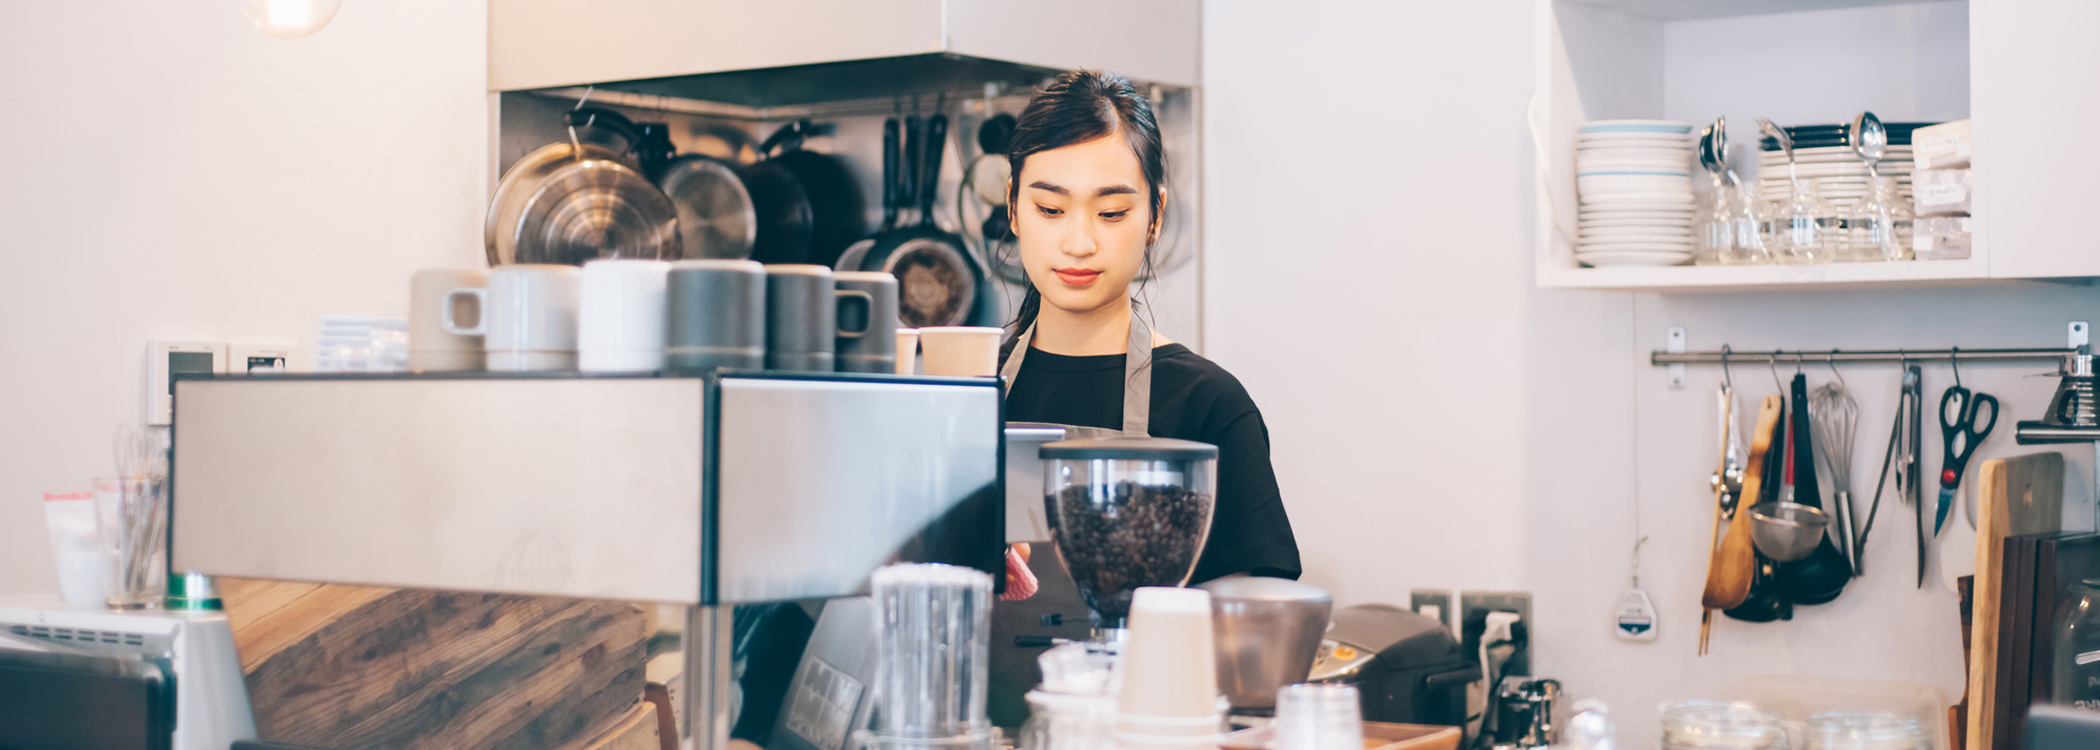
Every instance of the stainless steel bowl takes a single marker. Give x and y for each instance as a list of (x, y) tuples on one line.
[(1267, 631), (1787, 531)]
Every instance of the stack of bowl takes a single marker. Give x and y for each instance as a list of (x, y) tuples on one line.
[(1634, 182)]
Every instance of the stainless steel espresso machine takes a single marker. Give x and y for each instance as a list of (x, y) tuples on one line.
[(706, 492)]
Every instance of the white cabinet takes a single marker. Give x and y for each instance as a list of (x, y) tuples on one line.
[(2016, 67), (536, 44), (2037, 74)]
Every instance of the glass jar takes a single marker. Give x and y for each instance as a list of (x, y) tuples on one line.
[(1747, 215), (1703, 725), (2077, 668), (1872, 730), (1127, 513), (1712, 235), (1062, 721), (1808, 226), (1879, 228)]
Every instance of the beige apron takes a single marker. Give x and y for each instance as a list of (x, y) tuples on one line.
[(1056, 610)]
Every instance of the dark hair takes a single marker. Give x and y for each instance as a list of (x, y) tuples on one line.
[(1077, 107)]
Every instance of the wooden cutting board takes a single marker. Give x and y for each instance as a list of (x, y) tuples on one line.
[(2015, 496), (365, 667)]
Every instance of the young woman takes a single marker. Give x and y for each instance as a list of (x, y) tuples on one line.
[(1085, 200)]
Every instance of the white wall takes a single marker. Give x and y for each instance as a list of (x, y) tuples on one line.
[(1438, 422), (172, 173)]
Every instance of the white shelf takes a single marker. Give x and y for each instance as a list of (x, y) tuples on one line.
[(1685, 10), (1773, 277)]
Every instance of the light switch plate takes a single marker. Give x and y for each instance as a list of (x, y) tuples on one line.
[(165, 359), (243, 358), (1421, 601)]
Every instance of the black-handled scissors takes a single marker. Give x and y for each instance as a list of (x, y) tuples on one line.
[(1958, 411)]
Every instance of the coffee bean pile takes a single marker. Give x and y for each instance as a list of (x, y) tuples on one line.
[(1140, 535)]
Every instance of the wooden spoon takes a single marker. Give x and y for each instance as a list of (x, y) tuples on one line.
[(1734, 563)]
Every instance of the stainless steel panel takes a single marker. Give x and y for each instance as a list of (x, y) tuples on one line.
[(577, 487), (820, 482)]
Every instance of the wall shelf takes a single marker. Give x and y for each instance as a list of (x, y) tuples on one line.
[(1775, 277)]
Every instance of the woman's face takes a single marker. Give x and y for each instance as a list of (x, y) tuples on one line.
[(1082, 222)]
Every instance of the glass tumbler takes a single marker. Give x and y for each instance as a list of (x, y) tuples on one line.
[(1713, 235), (933, 648), (1747, 216), (1870, 730), (1703, 725), (1879, 228), (2077, 657), (1808, 227), (133, 522), (1319, 717)]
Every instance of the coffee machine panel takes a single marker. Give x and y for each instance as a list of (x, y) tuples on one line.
[(1408, 667)]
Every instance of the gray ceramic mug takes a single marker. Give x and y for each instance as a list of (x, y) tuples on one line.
[(717, 316), (867, 321), (801, 318)]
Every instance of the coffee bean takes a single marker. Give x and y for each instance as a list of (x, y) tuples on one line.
[(1128, 537)]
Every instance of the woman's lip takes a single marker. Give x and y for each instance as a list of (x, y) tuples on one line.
[(1076, 276)]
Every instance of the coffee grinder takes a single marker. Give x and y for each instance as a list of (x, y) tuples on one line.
[(1127, 513)]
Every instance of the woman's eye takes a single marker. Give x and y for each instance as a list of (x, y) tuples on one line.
[(1114, 215), (1048, 211)]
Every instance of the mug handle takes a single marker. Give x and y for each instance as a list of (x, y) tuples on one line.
[(481, 304), (867, 300)]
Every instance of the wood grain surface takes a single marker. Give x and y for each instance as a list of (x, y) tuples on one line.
[(364, 667), (2015, 497)]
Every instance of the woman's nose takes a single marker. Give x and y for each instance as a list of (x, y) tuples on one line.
[(1078, 242)]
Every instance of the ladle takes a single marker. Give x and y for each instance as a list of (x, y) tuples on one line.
[(1786, 146), (1870, 141)]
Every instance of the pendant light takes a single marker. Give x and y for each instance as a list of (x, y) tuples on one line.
[(291, 19)]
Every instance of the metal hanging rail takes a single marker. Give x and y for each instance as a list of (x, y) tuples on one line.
[(1811, 356)]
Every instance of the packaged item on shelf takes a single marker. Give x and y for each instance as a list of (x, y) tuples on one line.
[(82, 566), (1943, 146), (1941, 192), (1941, 238)]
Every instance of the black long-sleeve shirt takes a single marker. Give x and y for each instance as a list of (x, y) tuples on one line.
[(1192, 399)]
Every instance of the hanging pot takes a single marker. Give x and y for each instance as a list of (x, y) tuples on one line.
[(611, 217), (808, 204)]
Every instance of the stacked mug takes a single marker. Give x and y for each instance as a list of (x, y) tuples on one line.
[(642, 316)]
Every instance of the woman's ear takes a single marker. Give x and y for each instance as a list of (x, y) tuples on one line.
[(1011, 215), (1159, 218)]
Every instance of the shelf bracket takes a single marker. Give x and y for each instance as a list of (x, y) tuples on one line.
[(1676, 346), (2080, 333)]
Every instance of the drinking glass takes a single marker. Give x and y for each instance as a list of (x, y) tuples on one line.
[(1809, 225), (1747, 216), (134, 525), (1713, 234), (1879, 228), (1702, 725), (1319, 717)]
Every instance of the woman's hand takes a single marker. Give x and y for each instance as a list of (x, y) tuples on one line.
[(1020, 581)]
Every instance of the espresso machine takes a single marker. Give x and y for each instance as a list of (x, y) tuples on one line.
[(703, 492)]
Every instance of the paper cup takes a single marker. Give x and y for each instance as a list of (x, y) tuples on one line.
[(907, 351), (961, 351), (1170, 667)]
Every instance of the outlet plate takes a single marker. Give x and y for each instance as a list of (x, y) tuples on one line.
[(1474, 605), (1419, 599)]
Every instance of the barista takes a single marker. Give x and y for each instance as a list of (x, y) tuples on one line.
[(1085, 201)]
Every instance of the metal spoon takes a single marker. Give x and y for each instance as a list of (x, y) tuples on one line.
[(1870, 141), (1708, 151), (1786, 146)]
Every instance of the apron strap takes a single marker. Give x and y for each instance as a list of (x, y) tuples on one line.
[(1137, 373)]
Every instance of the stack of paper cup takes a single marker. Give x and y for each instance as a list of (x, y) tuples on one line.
[(1169, 698)]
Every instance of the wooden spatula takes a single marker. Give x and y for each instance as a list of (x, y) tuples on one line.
[(1734, 562)]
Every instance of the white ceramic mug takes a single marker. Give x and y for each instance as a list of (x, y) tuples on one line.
[(966, 351), (528, 319), (621, 325), (431, 348), (907, 351)]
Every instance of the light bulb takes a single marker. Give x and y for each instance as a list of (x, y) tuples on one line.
[(291, 19)]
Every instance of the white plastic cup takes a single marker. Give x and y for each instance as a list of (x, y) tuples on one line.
[(1319, 717), (907, 351), (621, 316), (961, 351), (1170, 667)]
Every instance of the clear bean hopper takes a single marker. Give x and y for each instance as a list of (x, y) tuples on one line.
[(1127, 513)]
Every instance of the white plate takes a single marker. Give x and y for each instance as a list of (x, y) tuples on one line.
[(1607, 125), (1613, 246), (1608, 259), (1603, 230), (1619, 137), (1606, 165), (1679, 242), (1674, 156), (1647, 225), (1587, 173), (1652, 215), (1639, 200)]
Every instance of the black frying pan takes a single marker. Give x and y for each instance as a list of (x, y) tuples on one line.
[(938, 282), (809, 201)]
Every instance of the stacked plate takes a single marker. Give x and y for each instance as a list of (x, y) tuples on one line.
[(1633, 178), (1824, 153)]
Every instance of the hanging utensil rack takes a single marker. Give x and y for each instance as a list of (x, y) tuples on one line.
[(1817, 356)]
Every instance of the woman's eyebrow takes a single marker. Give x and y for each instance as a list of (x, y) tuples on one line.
[(1040, 185), (1115, 190)]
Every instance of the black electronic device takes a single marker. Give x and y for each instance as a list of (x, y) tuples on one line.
[(1407, 667)]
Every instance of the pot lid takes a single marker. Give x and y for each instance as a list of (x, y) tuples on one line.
[(1139, 449)]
